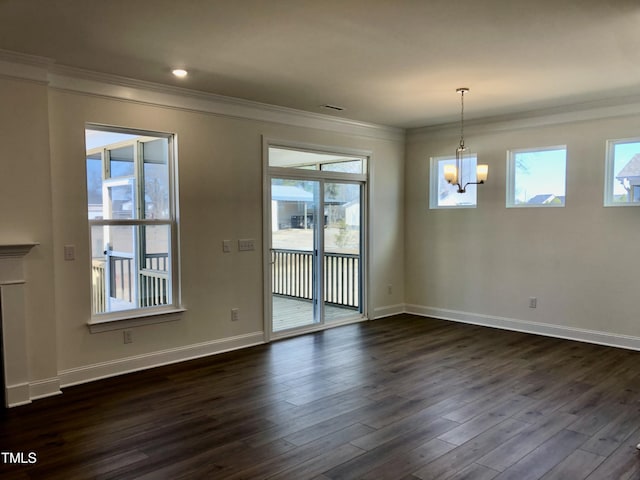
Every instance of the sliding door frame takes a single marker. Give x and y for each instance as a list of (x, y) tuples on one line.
[(321, 176)]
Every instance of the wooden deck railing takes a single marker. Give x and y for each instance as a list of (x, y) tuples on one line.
[(292, 276), (98, 297), (153, 281), (154, 287), (342, 279)]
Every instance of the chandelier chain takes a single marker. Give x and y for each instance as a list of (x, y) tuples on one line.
[(462, 119)]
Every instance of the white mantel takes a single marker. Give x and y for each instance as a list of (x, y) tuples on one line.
[(14, 331)]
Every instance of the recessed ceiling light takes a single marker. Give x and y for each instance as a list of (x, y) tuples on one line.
[(179, 72)]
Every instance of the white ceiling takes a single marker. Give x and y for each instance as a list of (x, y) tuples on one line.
[(390, 62)]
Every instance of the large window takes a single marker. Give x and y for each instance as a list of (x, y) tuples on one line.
[(132, 221), (444, 195), (622, 178), (537, 177)]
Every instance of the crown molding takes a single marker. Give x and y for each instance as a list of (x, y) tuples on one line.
[(612, 107), (45, 70), (24, 67), (149, 93)]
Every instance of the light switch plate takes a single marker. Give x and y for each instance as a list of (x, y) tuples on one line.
[(246, 244)]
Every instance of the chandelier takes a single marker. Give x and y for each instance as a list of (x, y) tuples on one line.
[(453, 173)]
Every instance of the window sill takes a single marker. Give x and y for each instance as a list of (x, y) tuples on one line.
[(533, 205), (452, 207), (622, 204), (130, 319)]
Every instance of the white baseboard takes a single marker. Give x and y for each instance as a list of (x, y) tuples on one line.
[(24, 393), (388, 310), (44, 388), (97, 371), (546, 329), (17, 395)]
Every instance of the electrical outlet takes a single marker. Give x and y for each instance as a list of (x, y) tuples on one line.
[(533, 302), (69, 252), (235, 314), (127, 336), (226, 246)]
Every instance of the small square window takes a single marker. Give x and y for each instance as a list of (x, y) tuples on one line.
[(537, 177), (444, 195), (622, 176)]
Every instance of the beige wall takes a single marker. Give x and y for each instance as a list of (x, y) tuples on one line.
[(479, 264), (25, 211), (220, 197), (483, 264)]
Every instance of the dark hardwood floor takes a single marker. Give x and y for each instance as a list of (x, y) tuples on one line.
[(399, 398)]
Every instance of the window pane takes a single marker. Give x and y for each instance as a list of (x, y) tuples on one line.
[(121, 161), (354, 166), (155, 288), (342, 217), (156, 240), (98, 271), (113, 268), (100, 138), (94, 185), (117, 282), (341, 258), (625, 181), (294, 210), (120, 201), (131, 263), (288, 158), (120, 239), (445, 194), (539, 178), (98, 245), (156, 178)]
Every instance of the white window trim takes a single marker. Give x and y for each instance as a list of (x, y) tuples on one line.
[(434, 181), (149, 315), (511, 177), (609, 173)]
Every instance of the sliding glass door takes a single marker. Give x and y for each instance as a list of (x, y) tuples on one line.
[(342, 253), (315, 239), (294, 253)]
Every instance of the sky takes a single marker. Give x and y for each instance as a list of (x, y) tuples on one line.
[(539, 172)]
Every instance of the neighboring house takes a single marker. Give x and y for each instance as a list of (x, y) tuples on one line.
[(629, 177), (289, 206), (546, 199)]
